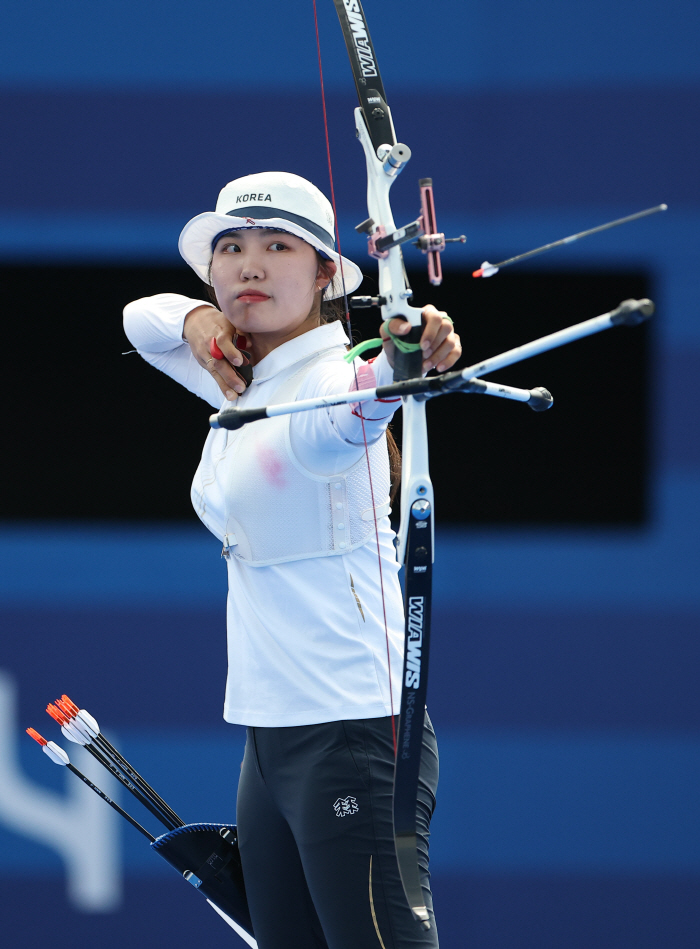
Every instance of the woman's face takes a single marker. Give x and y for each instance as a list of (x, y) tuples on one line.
[(267, 282)]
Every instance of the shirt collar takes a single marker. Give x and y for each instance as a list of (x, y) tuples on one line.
[(328, 336)]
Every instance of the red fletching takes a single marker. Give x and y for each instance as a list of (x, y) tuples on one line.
[(36, 736), (66, 708), (73, 707), (57, 715), (214, 350), (478, 273)]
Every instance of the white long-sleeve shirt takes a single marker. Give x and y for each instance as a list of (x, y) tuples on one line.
[(306, 638)]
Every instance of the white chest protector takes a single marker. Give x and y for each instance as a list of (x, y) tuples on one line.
[(253, 493)]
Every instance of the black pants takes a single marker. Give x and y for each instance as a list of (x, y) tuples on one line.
[(316, 837)]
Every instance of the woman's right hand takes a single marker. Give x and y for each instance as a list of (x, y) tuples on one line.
[(203, 324)]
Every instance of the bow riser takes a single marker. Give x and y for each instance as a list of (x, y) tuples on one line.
[(393, 286)]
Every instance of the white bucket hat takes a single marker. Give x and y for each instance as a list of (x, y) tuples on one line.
[(269, 199)]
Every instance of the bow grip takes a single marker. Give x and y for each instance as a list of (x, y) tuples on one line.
[(409, 365)]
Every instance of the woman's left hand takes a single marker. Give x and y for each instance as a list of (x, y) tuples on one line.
[(440, 344)]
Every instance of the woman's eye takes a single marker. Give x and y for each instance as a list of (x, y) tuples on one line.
[(230, 249), (278, 245)]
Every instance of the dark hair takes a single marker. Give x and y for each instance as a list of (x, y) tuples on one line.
[(331, 310)]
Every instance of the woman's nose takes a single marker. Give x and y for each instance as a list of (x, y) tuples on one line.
[(250, 270)]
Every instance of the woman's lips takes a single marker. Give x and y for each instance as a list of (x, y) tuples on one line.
[(252, 296)]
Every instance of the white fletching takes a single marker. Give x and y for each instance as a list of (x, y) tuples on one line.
[(73, 734), (80, 728), (488, 270), (89, 722), (55, 753)]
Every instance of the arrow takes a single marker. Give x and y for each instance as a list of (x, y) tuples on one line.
[(59, 756), (488, 270), (80, 727)]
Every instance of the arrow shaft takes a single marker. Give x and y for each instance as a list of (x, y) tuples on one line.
[(113, 804), (120, 762), (139, 793), (575, 237)]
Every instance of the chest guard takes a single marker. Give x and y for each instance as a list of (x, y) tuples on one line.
[(267, 508)]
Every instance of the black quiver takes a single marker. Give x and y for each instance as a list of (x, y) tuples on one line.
[(207, 856)]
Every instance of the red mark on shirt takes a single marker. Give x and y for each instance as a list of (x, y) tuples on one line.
[(271, 467)]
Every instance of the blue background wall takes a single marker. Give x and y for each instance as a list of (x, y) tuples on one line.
[(565, 665)]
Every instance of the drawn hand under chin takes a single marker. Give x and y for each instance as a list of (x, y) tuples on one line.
[(211, 338)]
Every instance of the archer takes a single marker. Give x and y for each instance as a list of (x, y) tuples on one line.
[(301, 505)]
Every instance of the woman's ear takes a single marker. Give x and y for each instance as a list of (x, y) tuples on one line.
[(326, 271)]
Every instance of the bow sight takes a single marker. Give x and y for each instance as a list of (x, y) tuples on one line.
[(429, 240)]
